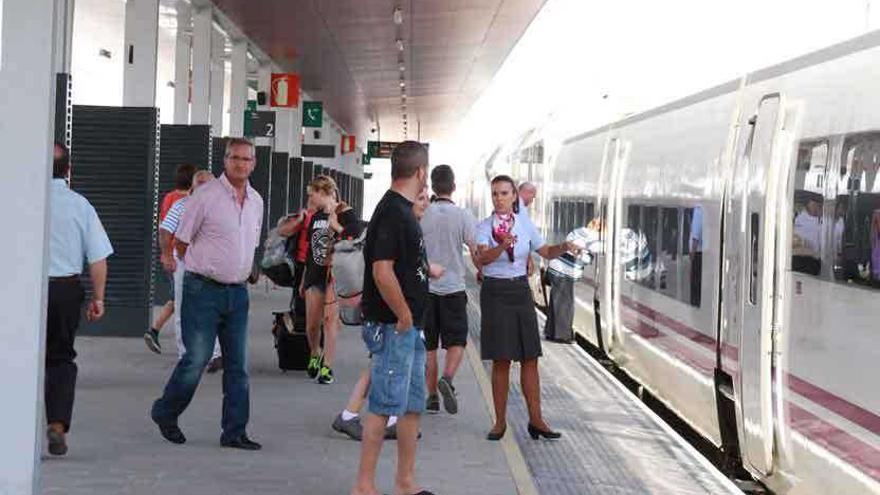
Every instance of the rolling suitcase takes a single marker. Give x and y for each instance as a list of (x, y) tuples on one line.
[(290, 341)]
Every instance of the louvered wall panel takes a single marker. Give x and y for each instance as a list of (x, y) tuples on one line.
[(278, 188), (114, 155), (218, 152), (260, 182), (179, 144), (295, 194)]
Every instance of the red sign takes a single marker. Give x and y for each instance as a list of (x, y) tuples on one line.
[(285, 90), (347, 145)]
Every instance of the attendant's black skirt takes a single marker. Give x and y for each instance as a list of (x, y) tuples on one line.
[(509, 326)]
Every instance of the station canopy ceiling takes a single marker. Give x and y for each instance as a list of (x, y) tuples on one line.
[(348, 55)]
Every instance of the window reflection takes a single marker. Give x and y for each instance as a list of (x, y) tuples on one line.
[(806, 254), (856, 234)]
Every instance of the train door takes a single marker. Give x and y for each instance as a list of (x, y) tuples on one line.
[(748, 292)]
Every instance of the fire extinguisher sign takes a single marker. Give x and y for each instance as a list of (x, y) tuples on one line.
[(285, 90)]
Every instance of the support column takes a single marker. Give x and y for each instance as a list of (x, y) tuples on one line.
[(218, 81), (27, 71), (238, 91), (182, 63), (201, 66), (63, 35), (141, 52)]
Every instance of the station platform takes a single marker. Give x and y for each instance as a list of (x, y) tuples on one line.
[(611, 444)]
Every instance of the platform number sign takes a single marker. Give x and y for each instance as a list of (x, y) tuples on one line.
[(313, 114), (262, 124)]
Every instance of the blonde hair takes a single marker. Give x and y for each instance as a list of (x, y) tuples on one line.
[(323, 184)]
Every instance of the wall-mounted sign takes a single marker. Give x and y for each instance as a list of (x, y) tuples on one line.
[(383, 149), (346, 144), (285, 90), (262, 124), (249, 117), (313, 114)]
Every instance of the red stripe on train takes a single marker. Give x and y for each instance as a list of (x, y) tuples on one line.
[(845, 446), (852, 412)]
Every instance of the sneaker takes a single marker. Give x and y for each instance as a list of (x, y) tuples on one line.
[(325, 376), (432, 405), (151, 338), (450, 400), (391, 432), (314, 367), (352, 427)]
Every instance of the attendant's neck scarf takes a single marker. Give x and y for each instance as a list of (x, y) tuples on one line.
[(502, 225)]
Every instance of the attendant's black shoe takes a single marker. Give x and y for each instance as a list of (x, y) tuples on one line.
[(57, 442), (495, 436), (537, 433), (242, 442)]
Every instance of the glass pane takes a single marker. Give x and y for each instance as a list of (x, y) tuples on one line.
[(808, 201), (694, 225), (856, 231), (651, 271)]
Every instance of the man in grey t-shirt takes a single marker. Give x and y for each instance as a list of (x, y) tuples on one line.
[(446, 229)]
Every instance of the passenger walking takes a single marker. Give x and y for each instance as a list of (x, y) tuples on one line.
[(348, 421), (316, 285), (182, 185), (395, 290), (217, 236), (170, 261), (508, 321), (75, 235), (447, 229)]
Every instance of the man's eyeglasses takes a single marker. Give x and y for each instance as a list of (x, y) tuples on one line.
[(236, 158)]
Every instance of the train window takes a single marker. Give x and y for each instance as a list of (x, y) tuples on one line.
[(591, 210), (695, 246), (633, 213), (808, 201), (667, 255), (650, 267), (856, 227)]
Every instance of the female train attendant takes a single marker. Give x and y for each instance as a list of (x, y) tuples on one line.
[(509, 324)]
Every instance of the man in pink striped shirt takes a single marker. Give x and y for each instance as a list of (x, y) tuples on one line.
[(217, 236)]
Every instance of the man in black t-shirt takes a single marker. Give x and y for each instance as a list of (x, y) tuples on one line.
[(393, 302)]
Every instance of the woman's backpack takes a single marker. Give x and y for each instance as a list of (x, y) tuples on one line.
[(276, 263)]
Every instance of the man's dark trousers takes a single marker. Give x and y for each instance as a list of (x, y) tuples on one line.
[(211, 310), (66, 298)]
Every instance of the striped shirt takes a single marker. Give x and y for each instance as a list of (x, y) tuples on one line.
[(172, 218)]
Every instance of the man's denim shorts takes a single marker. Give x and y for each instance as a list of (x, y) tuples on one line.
[(397, 371)]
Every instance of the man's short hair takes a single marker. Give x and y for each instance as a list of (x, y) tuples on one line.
[(443, 180), (407, 158), (233, 142), (527, 185), (183, 180), (61, 166)]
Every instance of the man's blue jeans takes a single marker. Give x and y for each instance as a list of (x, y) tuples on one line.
[(210, 310)]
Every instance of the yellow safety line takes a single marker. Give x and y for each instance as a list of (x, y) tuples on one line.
[(519, 470)]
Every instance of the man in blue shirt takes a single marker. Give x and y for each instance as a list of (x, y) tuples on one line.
[(76, 236)]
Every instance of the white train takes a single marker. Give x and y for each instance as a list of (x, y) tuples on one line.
[(755, 315)]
